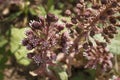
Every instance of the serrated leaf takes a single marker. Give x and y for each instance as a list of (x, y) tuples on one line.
[(16, 36), (21, 56), (17, 49)]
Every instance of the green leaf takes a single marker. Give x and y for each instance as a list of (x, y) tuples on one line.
[(41, 10), (50, 3), (32, 11), (17, 49), (114, 46), (99, 37), (16, 36), (21, 56), (55, 11), (60, 72)]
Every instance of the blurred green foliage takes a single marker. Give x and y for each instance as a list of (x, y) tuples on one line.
[(86, 75)]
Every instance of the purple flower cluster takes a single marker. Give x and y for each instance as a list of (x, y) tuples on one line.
[(47, 38), (56, 41)]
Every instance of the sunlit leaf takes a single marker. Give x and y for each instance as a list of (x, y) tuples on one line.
[(16, 48)]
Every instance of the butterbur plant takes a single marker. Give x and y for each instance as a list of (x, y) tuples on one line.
[(54, 42)]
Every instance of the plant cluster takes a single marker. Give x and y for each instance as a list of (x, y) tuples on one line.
[(61, 43)]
